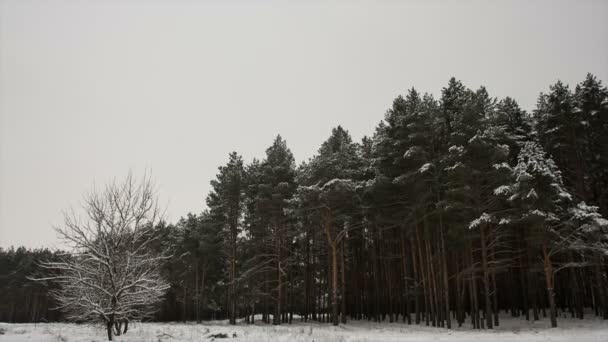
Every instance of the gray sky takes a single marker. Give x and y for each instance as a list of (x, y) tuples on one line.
[(92, 89)]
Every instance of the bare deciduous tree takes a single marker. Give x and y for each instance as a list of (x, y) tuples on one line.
[(112, 274)]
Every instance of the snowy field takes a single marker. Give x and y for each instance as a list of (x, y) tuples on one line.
[(510, 330)]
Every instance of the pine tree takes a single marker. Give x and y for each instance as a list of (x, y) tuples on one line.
[(560, 131), (540, 195), (591, 107), (336, 167), (275, 189), (225, 203)]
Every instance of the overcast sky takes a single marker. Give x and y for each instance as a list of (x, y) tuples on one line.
[(92, 89)]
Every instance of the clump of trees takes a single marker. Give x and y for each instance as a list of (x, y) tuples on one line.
[(23, 300), (453, 210)]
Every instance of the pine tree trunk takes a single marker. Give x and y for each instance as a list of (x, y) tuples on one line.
[(486, 279), (314, 287), (232, 302), (495, 299), (425, 286), (446, 292), (406, 313), (494, 292), (265, 313), (432, 280), (343, 285), (473, 289), (196, 291), (524, 280), (278, 308), (600, 280), (334, 268), (460, 293), (307, 278), (549, 281), (375, 276), (202, 289), (184, 318), (389, 288), (416, 282), (575, 298), (334, 285)]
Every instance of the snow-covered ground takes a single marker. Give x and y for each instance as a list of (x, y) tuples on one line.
[(587, 330)]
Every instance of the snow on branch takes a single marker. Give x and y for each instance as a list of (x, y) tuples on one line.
[(482, 219), (112, 274)]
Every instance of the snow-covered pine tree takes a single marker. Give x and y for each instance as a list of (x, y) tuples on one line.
[(555, 224), (591, 109), (561, 132)]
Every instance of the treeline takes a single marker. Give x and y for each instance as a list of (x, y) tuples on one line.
[(21, 299), (454, 210)]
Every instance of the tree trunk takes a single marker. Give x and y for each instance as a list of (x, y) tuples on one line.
[(109, 327), (549, 281), (446, 292), (343, 285), (265, 313), (576, 299), (375, 275), (334, 268), (416, 282), (494, 291), (473, 292), (202, 289), (486, 278), (307, 278), (334, 285), (232, 303), (196, 291), (278, 308), (495, 299), (184, 318), (523, 279), (389, 287), (600, 280), (431, 277), (118, 327), (406, 312), (424, 277), (460, 292)]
